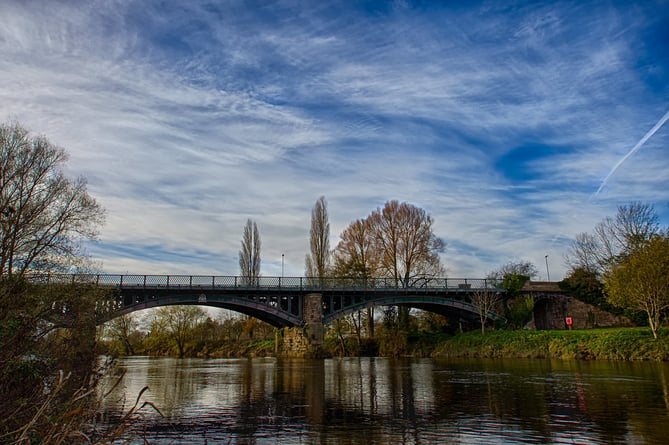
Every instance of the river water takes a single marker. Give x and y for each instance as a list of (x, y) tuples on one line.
[(385, 401)]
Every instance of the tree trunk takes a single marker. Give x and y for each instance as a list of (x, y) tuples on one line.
[(341, 337), (653, 320), (129, 350), (370, 321)]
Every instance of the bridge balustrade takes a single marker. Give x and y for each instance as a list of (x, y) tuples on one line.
[(269, 282)]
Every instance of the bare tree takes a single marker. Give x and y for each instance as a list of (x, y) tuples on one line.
[(44, 215), (317, 262), (582, 254), (614, 239), (521, 267), (249, 255), (120, 328), (394, 242), (409, 248), (357, 256), (485, 301), (178, 323)]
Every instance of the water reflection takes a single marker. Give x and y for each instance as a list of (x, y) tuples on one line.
[(368, 400)]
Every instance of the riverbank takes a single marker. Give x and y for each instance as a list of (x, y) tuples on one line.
[(585, 344)]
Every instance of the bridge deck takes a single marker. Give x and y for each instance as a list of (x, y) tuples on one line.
[(268, 283), (277, 300)]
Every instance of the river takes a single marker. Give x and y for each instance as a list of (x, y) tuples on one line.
[(385, 401)]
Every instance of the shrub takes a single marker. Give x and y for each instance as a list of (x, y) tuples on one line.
[(519, 312), (47, 354)]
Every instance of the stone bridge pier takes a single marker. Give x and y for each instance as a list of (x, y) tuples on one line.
[(307, 340)]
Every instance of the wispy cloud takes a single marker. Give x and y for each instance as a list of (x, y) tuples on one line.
[(189, 118)]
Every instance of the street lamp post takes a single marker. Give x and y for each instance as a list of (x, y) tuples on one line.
[(282, 261), (548, 274)]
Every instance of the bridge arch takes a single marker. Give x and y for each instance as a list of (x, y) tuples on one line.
[(439, 305), (278, 311), (272, 317)]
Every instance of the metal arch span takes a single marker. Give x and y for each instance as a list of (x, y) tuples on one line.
[(276, 300), (338, 306), (276, 310)]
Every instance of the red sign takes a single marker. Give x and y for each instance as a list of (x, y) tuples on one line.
[(569, 321)]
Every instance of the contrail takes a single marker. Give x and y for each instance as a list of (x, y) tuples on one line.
[(638, 145)]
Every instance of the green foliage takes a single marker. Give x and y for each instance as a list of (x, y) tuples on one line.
[(392, 339), (641, 281), (422, 332), (513, 282), (431, 323), (519, 312), (44, 330), (585, 285), (637, 317), (203, 337)]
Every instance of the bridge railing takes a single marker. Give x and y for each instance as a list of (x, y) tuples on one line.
[(269, 282)]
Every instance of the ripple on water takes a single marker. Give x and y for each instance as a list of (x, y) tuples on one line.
[(376, 401)]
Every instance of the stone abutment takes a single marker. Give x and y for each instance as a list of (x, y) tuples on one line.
[(307, 340)]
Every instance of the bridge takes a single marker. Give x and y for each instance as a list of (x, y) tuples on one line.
[(283, 301)]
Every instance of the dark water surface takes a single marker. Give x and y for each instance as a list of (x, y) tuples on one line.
[(384, 401)]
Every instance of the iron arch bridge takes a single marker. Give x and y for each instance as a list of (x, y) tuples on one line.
[(280, 301)]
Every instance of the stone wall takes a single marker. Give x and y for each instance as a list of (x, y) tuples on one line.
[(295, 343), (551, 312), (307, 340), (587, 316)]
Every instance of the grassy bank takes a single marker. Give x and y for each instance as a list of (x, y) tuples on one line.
[(587, 344)]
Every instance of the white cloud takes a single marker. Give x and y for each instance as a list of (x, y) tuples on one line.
[(193, 122)]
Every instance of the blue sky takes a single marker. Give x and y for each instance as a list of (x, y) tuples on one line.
[(515, 125)]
